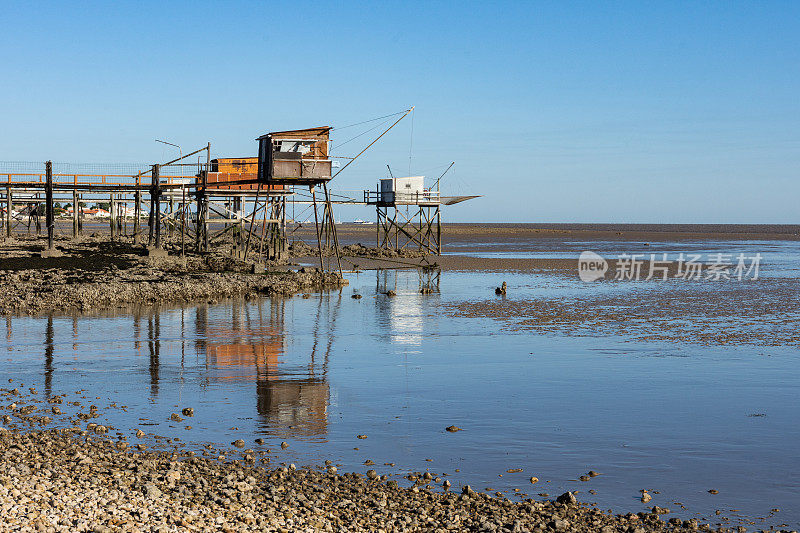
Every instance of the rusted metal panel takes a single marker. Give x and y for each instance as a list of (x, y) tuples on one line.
[(236, 165), (231, 169)]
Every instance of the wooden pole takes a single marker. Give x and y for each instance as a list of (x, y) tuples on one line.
[(205, 198), (171, 210), (49, 218), (151, 216), (80, 216), (237, 233), (197, 222), (268, 205), (332, 225), (157, 201), (112, 216), (252, 219), (123, 218), (283, 244), (75, 211), (438, 231), (316, 225), (137, 213), (9, 209), (183, 220)]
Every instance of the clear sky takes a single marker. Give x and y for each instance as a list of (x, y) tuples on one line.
[(553, 111)]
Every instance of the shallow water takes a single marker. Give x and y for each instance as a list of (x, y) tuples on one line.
[(776, 257), (316, 372)]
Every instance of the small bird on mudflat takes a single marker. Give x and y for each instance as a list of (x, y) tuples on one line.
[(501, 289)]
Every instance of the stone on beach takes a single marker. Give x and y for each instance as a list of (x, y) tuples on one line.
[(567, 498)]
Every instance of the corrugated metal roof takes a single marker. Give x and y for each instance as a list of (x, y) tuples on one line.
[(307, 131)]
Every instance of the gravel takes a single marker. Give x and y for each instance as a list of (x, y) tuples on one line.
[(63, 480)]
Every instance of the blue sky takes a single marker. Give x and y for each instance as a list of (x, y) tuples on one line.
[(553, 111)]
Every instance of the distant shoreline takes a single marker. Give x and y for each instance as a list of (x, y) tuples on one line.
[(648, 227), (465, 233)]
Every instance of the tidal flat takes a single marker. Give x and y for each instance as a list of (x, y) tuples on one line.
[(693, 405)]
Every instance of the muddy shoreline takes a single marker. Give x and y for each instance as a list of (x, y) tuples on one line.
[(93, 275)]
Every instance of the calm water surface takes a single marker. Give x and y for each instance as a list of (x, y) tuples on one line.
[(316, 372)]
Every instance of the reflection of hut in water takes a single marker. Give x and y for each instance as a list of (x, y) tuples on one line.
[(302, 404), (250, 346), (405, 314)]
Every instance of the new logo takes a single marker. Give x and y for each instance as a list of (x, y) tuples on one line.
[(591, 266)]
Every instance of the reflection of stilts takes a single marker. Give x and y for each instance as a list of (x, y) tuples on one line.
[(201, 327), (48, 357), (429, 279), (154, 345), (183, 342), (331, 322), (74, 333), (137, 331), (332, 328)]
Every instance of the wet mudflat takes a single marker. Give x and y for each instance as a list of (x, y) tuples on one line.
[(93, 274), (678, 419)]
